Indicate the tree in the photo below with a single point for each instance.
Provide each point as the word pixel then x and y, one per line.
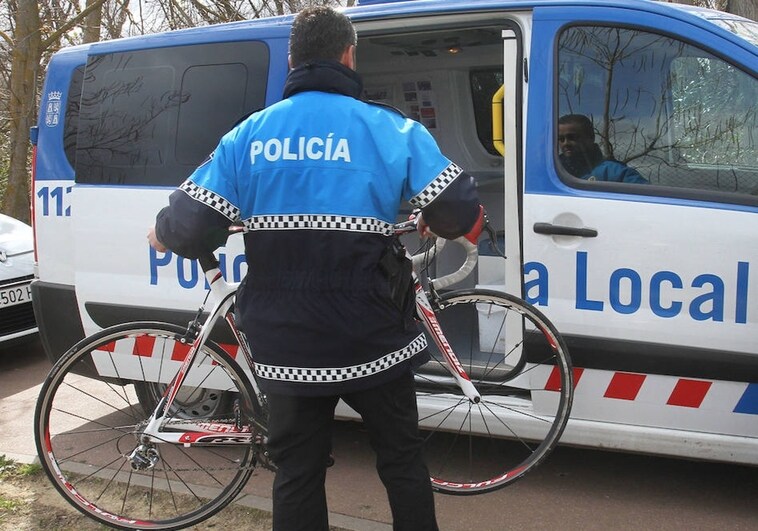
pixel 25 53
pixel 743 8
pixel 27 47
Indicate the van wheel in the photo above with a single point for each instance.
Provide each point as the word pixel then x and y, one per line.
pixel 190 403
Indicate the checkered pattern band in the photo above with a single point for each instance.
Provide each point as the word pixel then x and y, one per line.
pixel 437 186
pixel 319 222
pixel 212 199
pixel 340 374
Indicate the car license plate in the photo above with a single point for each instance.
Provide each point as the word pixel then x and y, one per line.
pixel 16 294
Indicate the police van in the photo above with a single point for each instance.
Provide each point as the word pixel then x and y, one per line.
pixel 653 283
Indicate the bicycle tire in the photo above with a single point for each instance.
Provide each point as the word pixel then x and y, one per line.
pixel 525 380
pixel 87 428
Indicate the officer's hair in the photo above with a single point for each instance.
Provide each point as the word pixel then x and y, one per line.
pixel 320 33
pixel 580 120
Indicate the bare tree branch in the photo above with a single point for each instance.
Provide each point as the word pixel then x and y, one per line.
pixel 52 38
pixel 7 38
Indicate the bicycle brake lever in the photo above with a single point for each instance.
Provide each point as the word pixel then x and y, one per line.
pixel 493 239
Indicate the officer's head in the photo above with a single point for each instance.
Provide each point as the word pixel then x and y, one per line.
pixel 322 34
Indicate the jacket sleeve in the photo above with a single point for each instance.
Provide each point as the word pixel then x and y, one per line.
pixel 445 193
pixel 453 212
pixel 197 218
pixel 190 228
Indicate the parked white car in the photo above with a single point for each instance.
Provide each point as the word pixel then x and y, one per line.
pixel 16 274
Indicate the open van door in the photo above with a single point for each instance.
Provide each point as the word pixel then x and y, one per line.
pixel 505 111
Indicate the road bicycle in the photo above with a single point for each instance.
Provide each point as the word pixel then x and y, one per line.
pixel 151 425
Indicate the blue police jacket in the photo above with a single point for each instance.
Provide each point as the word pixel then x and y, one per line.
pixel 317 180
pixel 613 171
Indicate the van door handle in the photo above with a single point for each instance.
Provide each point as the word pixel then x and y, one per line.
pixel 562 230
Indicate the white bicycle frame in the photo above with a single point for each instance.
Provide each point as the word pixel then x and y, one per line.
pixel 223 292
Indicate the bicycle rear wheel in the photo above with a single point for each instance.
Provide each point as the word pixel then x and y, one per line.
pixel 94 406
pixel 521 367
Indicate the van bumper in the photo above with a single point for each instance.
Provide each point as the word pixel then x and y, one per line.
pixel 57 314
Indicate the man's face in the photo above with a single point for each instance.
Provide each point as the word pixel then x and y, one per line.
pixel 572 141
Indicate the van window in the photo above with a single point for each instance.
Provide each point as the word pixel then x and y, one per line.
pixel 151 116
pixel 671 113
pixel 71 117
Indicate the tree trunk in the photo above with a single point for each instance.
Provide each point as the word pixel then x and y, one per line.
pixel 25 59
pixel 92 24
pixel 743 8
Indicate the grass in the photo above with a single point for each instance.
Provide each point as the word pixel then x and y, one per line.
pixel 28 501
pixel 11 469
pixel 6 465
pixel 8 469
pixel 7 505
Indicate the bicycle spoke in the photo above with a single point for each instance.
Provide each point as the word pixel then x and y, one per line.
pixel 96 398
pixel 88 450
pixel 186 485
pixel 105 427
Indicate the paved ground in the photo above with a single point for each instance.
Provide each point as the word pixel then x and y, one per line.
pixel 574 489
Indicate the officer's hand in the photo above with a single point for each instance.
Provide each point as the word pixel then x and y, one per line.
pixel 421 226
pixel 154 241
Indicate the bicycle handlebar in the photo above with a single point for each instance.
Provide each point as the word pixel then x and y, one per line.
pixel 472 256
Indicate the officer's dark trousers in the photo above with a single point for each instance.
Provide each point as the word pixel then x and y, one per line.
pixel 300 431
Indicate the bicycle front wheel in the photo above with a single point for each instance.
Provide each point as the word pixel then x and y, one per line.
pixel 520 365
pixel 92 412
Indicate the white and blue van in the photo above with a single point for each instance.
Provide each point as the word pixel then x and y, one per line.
pixel 654 284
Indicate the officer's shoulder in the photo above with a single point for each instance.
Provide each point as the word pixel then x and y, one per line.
pixel 387 107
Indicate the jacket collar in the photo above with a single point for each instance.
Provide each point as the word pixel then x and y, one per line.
pixel 324 76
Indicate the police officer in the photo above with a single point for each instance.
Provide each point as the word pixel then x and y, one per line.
pixel 317 179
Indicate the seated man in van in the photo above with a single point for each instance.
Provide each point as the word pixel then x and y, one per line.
pixel 582 158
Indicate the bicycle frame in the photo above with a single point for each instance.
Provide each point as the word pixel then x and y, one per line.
pixel 223 294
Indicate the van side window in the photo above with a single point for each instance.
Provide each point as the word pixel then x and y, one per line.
pixel 71 118
pixel 672 113
pixel 151 116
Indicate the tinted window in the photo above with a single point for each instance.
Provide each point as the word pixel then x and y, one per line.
pixel 71 120
pixel 151 116
pixel 678 115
